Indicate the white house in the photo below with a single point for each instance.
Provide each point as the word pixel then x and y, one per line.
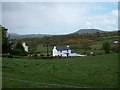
pixel 64 51
pixel 116 42
pixel 25 47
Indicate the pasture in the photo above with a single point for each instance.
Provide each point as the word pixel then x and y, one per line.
pixel 75 47
pixel 80 72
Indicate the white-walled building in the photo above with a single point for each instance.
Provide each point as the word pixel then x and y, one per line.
pixel 116 42
pixel 25 47
pixel 63 51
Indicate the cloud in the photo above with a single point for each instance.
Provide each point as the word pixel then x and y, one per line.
pixel 106 22
pixel 115 12
pixel 60 0
pixel 0 13
pixel 56 18
pixel 42 15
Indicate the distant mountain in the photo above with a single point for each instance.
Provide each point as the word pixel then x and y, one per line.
pixel 81 31
pixel 18 36
pixel 89 31
pixel 14 36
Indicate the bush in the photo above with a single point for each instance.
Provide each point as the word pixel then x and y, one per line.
pixel 10 56
pixel 106 47
pixel 42 55
pixel 7 55
pixel 25 54
pixel 19 52
pixel 35 56
pixel 116 48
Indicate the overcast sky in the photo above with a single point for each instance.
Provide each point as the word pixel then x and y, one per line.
pixel 58 17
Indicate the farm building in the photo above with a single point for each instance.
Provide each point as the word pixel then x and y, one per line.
pixel 64 51
pixel 25 47
pixel 116 42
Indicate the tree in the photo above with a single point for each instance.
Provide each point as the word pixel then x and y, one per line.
pixel 106 47
pixel 6 41
pixel 19 46
pixel 46 42
pixel 19 49
pixel 0 39
pixel 98 34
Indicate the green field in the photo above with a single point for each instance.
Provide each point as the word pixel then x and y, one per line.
pixel 43 50
pixel 88 72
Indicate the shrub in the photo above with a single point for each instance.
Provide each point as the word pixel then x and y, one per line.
pixel 7 55
pixel 106 47
pixel 35 56
pixel 19 52
pixel 10 56
pixel 42 55
pixel 115 48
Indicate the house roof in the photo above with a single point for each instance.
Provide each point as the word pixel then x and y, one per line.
pixel 73 51
pixel 60 48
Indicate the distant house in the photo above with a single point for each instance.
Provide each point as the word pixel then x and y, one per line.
pixel 64 51
pixel 116 42
pixel 25 47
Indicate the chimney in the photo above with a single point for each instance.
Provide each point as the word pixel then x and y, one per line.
pixel 68 46
pixel 54 47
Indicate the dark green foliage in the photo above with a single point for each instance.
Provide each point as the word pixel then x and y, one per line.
pixel 7 55
pixel 19 46
pixel 10 56
pixel 5 46
pixel 116 48
pixel 106 47
pixel 6 41
pixel 19 50
pixel 35 56
pixel 42 55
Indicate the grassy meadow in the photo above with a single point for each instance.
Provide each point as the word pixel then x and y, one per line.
pixel 40 49
pixel 99 71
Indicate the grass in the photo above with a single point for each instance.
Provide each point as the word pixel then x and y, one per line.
pixel 42 49
pixel 92 72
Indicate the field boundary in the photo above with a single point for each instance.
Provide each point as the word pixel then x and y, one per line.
pixel 27 81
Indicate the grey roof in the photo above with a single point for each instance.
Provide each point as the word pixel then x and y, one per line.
pixel 60 48
pixel 73 51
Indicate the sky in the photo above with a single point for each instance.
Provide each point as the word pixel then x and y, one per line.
pixel 58 17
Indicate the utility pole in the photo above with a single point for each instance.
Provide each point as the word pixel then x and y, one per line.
pixel 47 49
pixel 47 42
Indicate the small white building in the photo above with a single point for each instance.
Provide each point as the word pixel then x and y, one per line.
pixel 25 47
pixel 116 42
pixel 63 51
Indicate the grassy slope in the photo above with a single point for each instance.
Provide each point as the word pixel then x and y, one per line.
pixel 43 50
pixel 92 71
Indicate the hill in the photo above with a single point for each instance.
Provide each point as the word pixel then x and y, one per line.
pixel 81 31
pixel 14 36
pixel 18 36
pixel 89 31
